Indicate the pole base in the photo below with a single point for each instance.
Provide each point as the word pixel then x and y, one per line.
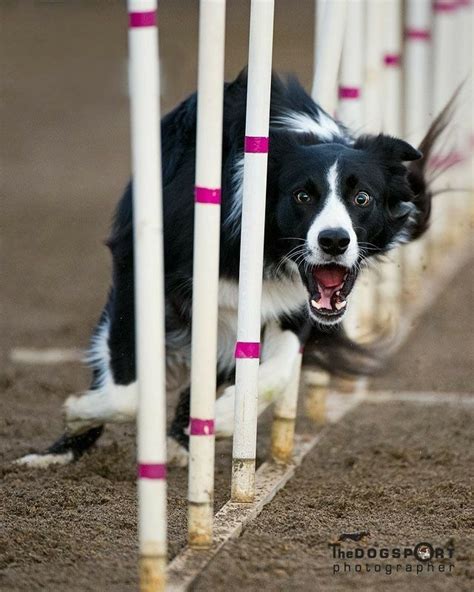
pixel 283 432
pixel 200 518
pixel 315 402
pixel 243 480
pixel 152 574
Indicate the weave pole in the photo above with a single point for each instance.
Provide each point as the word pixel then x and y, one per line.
pixel 444 83
pixel 149 292
pixel 349 108
pixel 351 112
pixel 389 292
pixel 284 417
pixel 331 19
pixel 417 62
pixel 466 27
pixel 372 98
pixel 330 22
pixel 247 349
pixel 206 270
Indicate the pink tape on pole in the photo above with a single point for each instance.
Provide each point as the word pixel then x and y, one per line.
pixel 247 349
pixel 151 471
pixel 201 427
pixel 445 6
pixel 256 144
pixel 142 19
pixel 207 195
pixel 349 92
pixel 391 59
pixel 418 34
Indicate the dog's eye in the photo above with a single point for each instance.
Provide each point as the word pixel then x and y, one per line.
pixel 362 199
pixel 302 197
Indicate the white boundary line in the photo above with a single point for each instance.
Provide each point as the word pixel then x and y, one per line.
pixel 45 356
pixel 421 398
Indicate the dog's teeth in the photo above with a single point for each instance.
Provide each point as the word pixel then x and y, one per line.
pixel 316 304
pixel 338 292
pixel 341 304
pixel 345 277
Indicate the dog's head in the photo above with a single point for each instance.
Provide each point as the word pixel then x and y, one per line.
pixel 336 204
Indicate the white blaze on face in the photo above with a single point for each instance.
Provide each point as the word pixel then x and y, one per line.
pixel 333 215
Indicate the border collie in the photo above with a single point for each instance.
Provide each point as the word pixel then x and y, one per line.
pixel 333 201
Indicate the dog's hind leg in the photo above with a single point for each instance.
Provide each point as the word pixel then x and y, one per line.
pixel 85 417
pixel 67 448
pixel 86 414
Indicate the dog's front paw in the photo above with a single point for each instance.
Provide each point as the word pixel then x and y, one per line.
pixel 224 427
pixel 178 456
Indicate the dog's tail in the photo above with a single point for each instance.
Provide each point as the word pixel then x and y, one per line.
pixel 422 172
pixel 334 351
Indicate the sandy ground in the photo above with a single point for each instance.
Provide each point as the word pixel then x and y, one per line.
pixel 398 471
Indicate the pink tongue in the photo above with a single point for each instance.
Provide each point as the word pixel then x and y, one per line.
pixel 326 294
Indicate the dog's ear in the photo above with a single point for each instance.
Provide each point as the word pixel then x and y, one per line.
pixel 388 148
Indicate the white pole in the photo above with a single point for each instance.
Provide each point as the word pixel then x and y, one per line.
pixel 247 350
pixel 328 53
pixel 465 53
pixel 372 98
pixel 149 292
pixel 444 36
pixel 392 67
pixel 417 68
pixel 444 71
pixel 206 270
pixel 350 111
pixel 416 115
pixel 389 292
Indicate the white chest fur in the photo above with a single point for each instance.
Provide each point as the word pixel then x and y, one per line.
pixel 278 297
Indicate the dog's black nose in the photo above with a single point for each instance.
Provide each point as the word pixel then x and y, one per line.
pixel 334 241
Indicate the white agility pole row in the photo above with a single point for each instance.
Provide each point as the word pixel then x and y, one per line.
pixel 417 68
pixel 149 292
pixel 331 19
pixel 247 350
pixel 210 98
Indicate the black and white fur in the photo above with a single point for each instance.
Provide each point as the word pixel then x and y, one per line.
pixel 311 156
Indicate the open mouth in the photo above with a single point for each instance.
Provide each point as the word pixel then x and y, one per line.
pixel 328 287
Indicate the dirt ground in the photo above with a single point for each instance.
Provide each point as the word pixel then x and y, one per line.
pixel 399 471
